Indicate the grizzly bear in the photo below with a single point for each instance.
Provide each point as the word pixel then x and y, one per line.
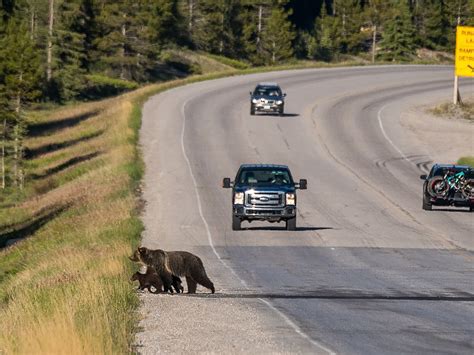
pixel 151 278
pixel 179 263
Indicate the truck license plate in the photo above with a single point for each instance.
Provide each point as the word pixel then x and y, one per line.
pixel 266 107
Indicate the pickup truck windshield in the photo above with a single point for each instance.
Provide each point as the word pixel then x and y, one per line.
pixel 264 176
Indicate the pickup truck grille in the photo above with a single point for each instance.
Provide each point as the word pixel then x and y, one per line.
pixel 264 199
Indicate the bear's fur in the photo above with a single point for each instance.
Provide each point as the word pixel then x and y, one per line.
pixel 151 278
pixel 179 263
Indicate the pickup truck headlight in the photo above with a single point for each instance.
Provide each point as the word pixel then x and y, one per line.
pixel 279 102
pixel 290 199
pixel 239 198
pixel 254 101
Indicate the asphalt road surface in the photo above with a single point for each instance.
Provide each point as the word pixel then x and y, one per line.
pixel 367 271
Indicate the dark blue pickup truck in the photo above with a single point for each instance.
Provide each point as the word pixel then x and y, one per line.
pixel 264 192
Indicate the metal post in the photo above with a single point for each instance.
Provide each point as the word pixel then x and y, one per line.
pixel 456 90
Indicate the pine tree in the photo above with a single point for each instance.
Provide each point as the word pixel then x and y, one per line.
pixel 217 26
pixel 398 38
pixel 69 51
pixel 326 40
pixel 254 16
pixel 375 14
pixel 124 46
pixel 19 80
pixel 277 37
pixel 431 24
pixel 348 30
pixel 458 12
pixel 166 23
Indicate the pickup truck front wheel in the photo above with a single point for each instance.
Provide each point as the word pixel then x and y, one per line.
pixel 236 223
pixel 291 224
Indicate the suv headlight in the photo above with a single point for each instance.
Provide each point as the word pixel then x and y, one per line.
pixel 290 199
pixel 239 198
pixel 254 101
pixel 279 102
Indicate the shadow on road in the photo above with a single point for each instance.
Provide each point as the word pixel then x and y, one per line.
pixel 270 114
pixel 298 229
pixel 453 210
pixel 354 295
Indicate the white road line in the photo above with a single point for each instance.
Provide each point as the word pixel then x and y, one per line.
pixel 295 327
pixel 379 117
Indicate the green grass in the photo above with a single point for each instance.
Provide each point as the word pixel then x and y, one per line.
pixel 466 161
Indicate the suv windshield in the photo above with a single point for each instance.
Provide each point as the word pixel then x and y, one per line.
pixel 264 176
pixel 267 91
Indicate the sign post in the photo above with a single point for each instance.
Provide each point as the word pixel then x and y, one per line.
pixel 464 65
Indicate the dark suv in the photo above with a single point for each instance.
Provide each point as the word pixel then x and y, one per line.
pixel 448 185
pixel 264 192
pixel 267 97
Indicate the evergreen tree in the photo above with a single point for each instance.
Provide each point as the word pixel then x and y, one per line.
pixel 19 80
pixel 254 16
pixel 398 38
pixel 69 51
pixel 327 37
pixel 277 37
pixel 457 12
pixel 124 47
pixel 349 23
pixel 7 8
pixel 375 14
pixel 166 23
pixel 431 24
pixel 217 26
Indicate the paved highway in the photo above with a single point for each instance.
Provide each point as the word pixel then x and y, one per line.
pixel 367 272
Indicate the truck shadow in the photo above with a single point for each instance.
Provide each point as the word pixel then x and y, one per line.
pixel 452 210
pixel 282 228
pixel 271 114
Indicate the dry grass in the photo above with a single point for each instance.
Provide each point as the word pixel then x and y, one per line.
pixel 462 111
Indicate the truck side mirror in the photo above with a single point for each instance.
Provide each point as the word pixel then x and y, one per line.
pixel 303 185
pixel 250 92
pixel 284 95
pixel 226 183
pixel 423 177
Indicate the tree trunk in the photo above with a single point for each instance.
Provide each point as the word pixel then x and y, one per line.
pixel 191 15
pixel 49 59
pixel 273 52
pixel 221 42
pixel 122 54
pixel 33 24
pixel 374 39
pixel 4 139
pixel 259 26
pixel 18 154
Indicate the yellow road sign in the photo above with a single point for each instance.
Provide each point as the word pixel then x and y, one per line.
pixel 465 51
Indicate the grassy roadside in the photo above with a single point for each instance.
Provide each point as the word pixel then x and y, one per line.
pixel 66 285
pixel 466 161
